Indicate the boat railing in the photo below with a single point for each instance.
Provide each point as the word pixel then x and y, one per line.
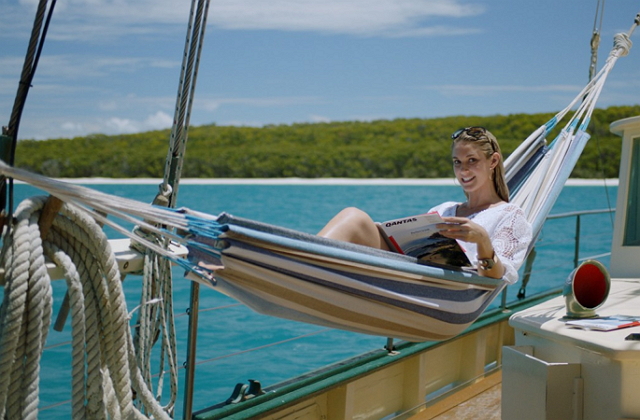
pixel 578 215
pixel 577 258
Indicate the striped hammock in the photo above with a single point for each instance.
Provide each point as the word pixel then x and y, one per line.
pixel 303 277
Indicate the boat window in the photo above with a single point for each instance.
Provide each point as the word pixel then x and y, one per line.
pixel 632 228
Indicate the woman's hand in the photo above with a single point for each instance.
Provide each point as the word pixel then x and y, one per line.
pixel 464 229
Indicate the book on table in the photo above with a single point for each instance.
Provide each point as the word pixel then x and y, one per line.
pixel 605 323
pixel 418 236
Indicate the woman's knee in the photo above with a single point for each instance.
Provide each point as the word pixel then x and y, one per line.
pixel 355 215
pixel 353 225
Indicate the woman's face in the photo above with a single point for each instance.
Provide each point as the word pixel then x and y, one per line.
pixel 471 167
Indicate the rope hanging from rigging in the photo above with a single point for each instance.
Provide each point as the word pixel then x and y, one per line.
pixel 156 321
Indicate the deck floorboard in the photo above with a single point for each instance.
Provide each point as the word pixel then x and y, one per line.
pixel 484 406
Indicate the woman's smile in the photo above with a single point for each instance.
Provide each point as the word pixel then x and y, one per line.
pixel 467 182
pixel 471 167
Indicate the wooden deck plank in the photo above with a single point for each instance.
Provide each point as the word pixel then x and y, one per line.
pixel 481 400
pixel 485 406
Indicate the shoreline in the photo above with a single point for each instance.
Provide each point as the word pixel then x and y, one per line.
pixel 611 182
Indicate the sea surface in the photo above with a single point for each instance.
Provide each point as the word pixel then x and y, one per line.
pixel 235 344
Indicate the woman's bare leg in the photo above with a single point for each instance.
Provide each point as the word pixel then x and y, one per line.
pixel 355 226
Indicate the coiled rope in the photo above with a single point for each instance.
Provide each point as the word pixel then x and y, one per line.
pixel 104 372
pixel 25 317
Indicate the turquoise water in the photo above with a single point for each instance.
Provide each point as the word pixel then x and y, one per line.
pixel 235 344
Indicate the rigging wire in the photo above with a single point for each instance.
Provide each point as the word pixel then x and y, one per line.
pixel 157 272
pixel 34 50
pixel 595 44
pixel 184 100
pixel 167 195
pixel 595 37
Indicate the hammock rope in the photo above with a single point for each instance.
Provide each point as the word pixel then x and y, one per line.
pixel 539 191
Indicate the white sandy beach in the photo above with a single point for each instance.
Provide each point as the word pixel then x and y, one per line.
pixel 309 181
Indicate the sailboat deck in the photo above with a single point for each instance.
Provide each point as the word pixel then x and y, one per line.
pixel 481 400
pixel 485 405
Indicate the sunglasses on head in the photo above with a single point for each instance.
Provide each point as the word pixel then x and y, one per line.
pixel 472 131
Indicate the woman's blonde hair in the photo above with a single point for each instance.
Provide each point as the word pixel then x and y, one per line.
pixel 488 144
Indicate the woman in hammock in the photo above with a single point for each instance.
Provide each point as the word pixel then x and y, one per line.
pixel 494 232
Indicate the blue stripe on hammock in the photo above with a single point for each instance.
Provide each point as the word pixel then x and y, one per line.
pixel 460 296
pixel 396 286
pixel 349 252
pixel 519 178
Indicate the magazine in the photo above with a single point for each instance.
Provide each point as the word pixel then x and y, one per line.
pixel 605 323
pixel 417 236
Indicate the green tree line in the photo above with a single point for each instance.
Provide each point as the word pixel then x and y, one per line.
pixel 400 148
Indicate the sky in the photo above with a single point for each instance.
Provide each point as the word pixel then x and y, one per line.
pixel 113 66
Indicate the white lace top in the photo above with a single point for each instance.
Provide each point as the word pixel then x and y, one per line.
pixel 508 229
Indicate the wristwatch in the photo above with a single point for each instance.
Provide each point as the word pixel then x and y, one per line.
pixel 488 263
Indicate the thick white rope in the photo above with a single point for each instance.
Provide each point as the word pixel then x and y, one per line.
pixel 78 326
pixel 121 381
pixel 24 320
pixel 100 323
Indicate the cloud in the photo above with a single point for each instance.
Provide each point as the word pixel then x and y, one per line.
pixel 212 104
pixel 72 127
pixel 96 19
pixel 158 121
pixel 485 90
pixel 121 125
pixel 73 67
pixel 355 17
pixel 241 123
pixel 67 128
pixel 319 119
pixel 110 105
pixel 439 30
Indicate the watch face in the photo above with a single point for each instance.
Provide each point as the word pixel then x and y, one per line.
pixel 487 263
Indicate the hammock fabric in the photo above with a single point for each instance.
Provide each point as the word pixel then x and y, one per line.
pixel 288 274
pixel 298 276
